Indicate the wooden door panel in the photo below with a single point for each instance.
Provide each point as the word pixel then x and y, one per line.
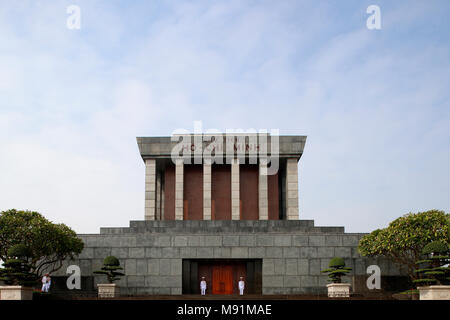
pixel 222 282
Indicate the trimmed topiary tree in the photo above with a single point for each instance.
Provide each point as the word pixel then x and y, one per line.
pixel 110 268
pixel 336 270
pixel 17 269
pixel 432 270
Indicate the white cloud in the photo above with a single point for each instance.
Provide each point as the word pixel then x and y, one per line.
pixel 374 107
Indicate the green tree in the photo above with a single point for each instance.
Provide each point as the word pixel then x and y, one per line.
pixel 433 268
pixel 17 269
pixel 110 268
pixel 49 243
pixel 337 270
pixel 404 239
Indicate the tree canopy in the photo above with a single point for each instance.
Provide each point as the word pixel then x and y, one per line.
pixel 405 237
pixel 336 270
pixel 111 267
pixel 49 244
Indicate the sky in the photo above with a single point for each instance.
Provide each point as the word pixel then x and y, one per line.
pixel 375 104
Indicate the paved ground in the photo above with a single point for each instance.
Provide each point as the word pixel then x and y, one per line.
pixel 247 297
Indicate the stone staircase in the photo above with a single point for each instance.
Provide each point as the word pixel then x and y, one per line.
pixel 221 226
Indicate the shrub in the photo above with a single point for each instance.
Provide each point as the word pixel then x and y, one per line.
pixel 111 261
pixel 336 270
pixel 432 269
pixel 17 269
pixel 337 262
pixel 110 268
pixel 435 247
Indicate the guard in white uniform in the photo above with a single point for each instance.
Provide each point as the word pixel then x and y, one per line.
pixel 46 282
pixel 203 286
pixel 241 285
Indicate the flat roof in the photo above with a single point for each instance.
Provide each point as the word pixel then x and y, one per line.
pixel 161 147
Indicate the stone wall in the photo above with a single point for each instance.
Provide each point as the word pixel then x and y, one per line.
pixel 293 253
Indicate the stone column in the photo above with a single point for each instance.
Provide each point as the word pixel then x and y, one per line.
pixel 206 190
pixel 150 189
pixel 158 196
pixel 235 196
pixel 292 189
pixel 263 201
pixel 179 176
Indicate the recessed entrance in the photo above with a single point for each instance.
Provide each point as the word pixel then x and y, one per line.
pixel 222 275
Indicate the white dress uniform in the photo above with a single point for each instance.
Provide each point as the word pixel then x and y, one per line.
pixel 203 287
pixel 45 285
pixel 241 287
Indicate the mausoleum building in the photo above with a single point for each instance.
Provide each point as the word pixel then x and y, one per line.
pixel 223 207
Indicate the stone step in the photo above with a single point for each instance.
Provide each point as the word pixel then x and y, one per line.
pixel 207 227
pixel 219 223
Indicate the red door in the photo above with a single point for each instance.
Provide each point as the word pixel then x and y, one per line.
pixel 222 279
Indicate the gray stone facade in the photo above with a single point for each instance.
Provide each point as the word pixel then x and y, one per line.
pixel 271 153
pixel 293 253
